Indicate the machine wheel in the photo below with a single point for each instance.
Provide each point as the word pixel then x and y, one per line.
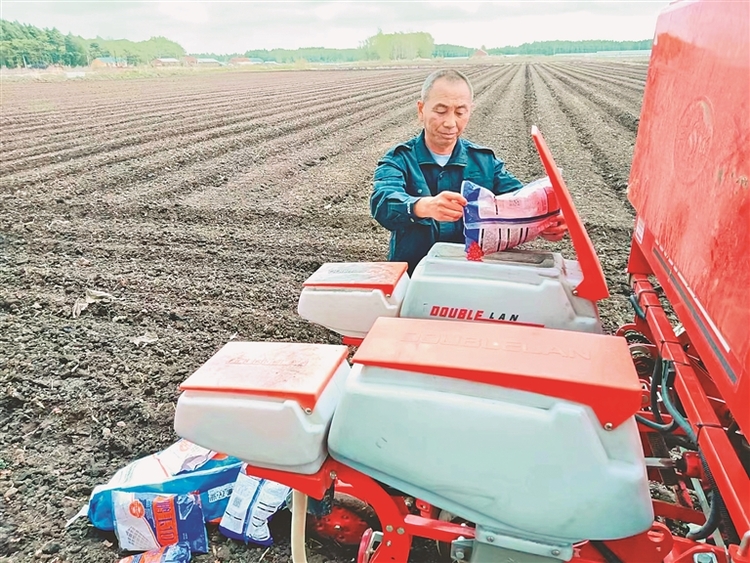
pixel 349 520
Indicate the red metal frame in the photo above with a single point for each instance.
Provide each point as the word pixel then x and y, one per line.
pixel 689 187
pixel 728 472
pixel 594 285
pixel 399 526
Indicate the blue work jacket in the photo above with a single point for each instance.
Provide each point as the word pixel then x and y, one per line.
pixel 408 171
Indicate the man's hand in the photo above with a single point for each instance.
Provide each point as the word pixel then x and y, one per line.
pixel 556 231
pixel 446 206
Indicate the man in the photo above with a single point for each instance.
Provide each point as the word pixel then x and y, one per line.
pixel 417 184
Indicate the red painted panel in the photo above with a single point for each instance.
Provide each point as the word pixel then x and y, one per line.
pixel 594 285
pixel 283 370
pixel 690 182
pixel 591 369
pixel 359 275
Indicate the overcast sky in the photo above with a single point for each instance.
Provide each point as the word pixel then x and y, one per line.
pixel 225 27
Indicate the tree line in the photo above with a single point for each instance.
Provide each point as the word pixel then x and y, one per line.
pixel 23 45
pixel 408 46
pixel 571 47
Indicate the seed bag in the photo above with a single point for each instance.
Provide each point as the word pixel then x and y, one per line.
pixel 177 553
pixel 146 521
pixel 493 223
pixel 181 468
pixel 252 503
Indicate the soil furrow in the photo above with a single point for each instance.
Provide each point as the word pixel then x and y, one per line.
pixel 630 83
pixel 124 102
pixel 625 117
pixel 193 143
pixel 607 142
pixel 206 233
pixel 163 115
pixel 203 127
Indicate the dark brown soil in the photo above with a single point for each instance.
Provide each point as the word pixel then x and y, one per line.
pixel 201 203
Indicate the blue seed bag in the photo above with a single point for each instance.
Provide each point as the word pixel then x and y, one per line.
pixel 182 468
pixel 146 521
pixel 177 553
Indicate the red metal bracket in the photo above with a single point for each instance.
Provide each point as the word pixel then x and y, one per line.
pixel 594 284
pixel 651 546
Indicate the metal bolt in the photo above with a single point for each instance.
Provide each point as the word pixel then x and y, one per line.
pixel 332 475
pixel 308 410
pixel 704 558
pixel 491 539
pixel 609 426
pixel 459 555
pixel 389 528
pixel 400 531
pixel 555 552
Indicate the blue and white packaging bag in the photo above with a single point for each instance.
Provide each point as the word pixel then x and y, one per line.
pixel 252 503
pixel 494 223
pixel 181 468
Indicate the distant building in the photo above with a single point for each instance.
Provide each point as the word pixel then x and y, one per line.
pixel 245 61
pixel 208 62
pixel 108 62
pixel 241 61
pixel 189 61
pixel 165 61
pixel 479 53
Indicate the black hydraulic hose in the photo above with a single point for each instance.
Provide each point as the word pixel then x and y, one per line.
pixel 637 307
pixel 715 511
pixel 609 555
pixel 658 422
pixel 656 380
pixel 671 427
pixel 671 408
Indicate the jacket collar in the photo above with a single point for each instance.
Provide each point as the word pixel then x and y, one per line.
pixel 459 156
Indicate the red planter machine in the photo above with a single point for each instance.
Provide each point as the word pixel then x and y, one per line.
pixel 684 385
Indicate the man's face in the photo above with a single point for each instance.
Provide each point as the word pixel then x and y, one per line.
pixel 445 114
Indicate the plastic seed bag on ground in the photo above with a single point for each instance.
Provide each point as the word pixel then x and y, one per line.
pixel 183 467
pixel 177 553
pixel 252 503
pixel 147 521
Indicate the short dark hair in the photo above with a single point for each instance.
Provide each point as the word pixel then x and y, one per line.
pixel 448 74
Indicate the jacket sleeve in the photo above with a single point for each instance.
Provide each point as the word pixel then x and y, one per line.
pixel 504 181
pixel 390 204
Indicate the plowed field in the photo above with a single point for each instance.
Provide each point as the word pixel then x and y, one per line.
pixel 201 203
